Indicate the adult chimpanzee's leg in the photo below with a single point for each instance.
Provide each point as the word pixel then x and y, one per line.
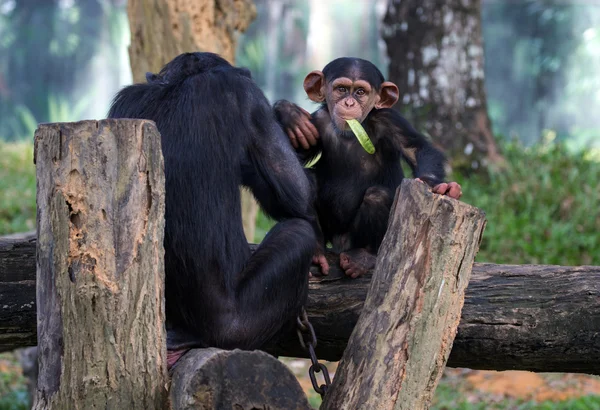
pixel 272 287
pixel 367 231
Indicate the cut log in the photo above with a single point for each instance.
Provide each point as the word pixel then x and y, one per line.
pixel 234 379
pixel 399 347
pixel 100 271
pixel 541 318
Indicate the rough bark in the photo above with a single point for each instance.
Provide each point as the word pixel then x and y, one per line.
pixel 100 270
pixel 401 342
pixel 436 59
pixel 541 318
pixel 235 379
pixel 192 25
pixel 163 29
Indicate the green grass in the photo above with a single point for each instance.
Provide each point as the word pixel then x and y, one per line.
pixel 17 188
pixel 543 209
pixel 447 397
pixel 13 393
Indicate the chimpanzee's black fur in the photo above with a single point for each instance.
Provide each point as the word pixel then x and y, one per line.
pixel 219 132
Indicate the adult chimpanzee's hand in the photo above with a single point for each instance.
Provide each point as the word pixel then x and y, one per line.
pixel 297 124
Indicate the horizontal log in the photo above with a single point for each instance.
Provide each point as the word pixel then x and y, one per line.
pixel 528 317
pixel 18 326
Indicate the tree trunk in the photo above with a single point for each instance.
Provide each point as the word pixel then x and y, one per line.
pixel 192 25
pixel 234 379
pixel 163 29
pixel 401 342
pixel 436 59
pixel 515 317
pixel 100 270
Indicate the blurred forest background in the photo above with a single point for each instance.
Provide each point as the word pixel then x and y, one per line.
pixel 63 60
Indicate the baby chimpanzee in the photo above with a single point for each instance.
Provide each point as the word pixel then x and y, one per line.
pixel 354 186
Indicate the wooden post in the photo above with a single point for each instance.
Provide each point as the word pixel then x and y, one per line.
pixel 234 379
pixel 400 345
pixel 100 271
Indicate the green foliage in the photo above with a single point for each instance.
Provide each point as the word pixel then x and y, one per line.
pixel 17 188
pixel 447 397
pixel 544 208
pixel 15 400
pixel 13 394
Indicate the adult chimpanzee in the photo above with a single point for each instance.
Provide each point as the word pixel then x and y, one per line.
pixel 219 131
pixel 355 189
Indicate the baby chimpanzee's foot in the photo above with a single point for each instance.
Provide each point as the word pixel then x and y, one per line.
pixel 319 259
pixel 357 262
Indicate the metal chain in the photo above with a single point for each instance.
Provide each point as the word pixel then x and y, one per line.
pixel 308 341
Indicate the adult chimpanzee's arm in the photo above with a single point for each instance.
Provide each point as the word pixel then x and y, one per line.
pixel 296 122
pixel 300 128
pixel 272 171
pixel 396 135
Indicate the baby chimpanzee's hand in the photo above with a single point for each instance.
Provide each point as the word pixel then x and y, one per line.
pixel 452 189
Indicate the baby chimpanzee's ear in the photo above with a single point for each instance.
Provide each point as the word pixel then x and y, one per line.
pixel 314 85
pixel 388 95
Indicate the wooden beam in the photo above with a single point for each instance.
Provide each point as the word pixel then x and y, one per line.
pixel 542 318
pixel 100 270
pixel 17 291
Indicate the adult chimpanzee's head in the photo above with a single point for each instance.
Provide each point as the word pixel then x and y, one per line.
pixel 351 88
pixel 188 64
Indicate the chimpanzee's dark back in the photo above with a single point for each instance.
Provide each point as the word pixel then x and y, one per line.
pixel 202 167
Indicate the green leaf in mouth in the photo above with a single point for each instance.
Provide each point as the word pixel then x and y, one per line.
pixel 361 135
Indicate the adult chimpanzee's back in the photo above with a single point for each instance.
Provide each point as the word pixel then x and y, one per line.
pixel 218 132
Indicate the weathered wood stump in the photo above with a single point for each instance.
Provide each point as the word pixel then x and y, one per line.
pixel 100 271
pixel 401 342
pixel 234 379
